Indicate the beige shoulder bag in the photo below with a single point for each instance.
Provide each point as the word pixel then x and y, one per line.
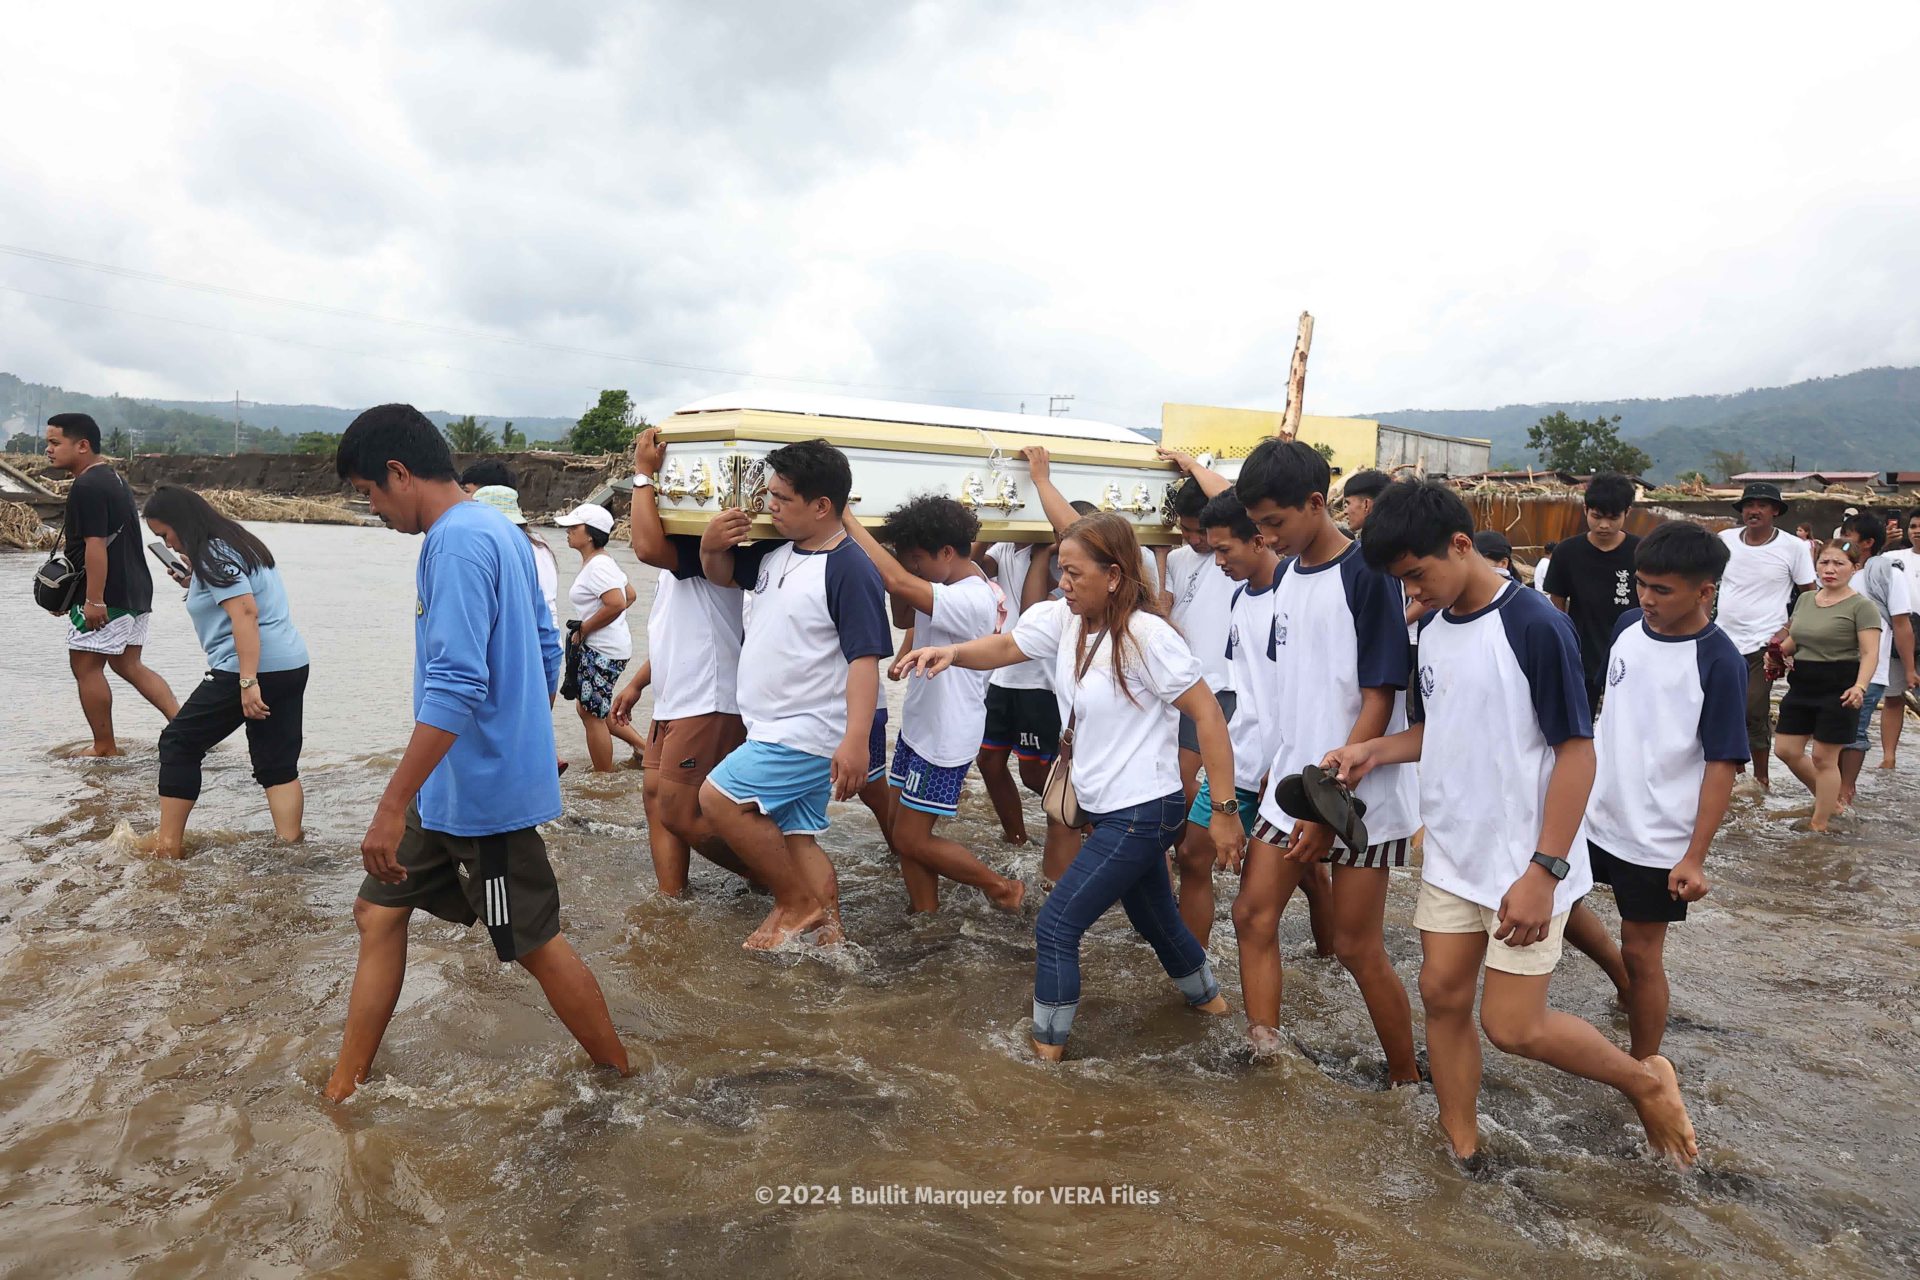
pixel 1059 799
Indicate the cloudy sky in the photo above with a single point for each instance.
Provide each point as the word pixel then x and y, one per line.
pixel 502 207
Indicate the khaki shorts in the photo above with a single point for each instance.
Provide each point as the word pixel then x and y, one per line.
pixel 504 880
pixel 1438 911
pixel 686 750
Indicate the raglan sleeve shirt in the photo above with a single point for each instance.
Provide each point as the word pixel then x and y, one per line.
pixel 857 603
pixel 1723 704
pixel 1549 655
pixel 1380 628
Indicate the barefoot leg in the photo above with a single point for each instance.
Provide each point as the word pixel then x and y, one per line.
pixel 168 837
pixel 937 856
pixel 1449 975
pixel 1359 940
pixel 1196 883
pixel 1643 944
pixel 666 847
pixel 577 1000
pixel 377 976
pixel 1005 796
pixel 1267 880
pixel 757 841
pixel 147 682
pixel 288 805
pixel 96 698
pixel 1589 937
pixel 1515 1016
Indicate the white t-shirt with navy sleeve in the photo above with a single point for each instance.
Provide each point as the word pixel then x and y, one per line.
pixel 944 716
pixel 599 575
pixel 1756 588
pixel 1673 704
pixel 1338 628
pixel 1011 561
pixel 814 612
pixel 1249 629
pixel 1500 689
pixel 694 633
pixel 1202 595
pixel 1125 749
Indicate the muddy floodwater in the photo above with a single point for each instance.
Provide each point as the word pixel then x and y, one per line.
pixel 165 1029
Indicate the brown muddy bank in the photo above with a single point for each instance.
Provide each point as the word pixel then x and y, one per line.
pixel 547 481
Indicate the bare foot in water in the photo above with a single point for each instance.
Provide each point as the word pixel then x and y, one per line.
pixel 98 752
pixel 154 846
pixel 1669 1131
pixel 1265 1041
pixel 338 1089
pixel 1049 1052
pixel 1009 895
pixel 782 926
pixel 1885 764
pixel 1020 837
pixel 1216 1006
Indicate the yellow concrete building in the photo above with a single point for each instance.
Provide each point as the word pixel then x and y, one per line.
pixel 1356 443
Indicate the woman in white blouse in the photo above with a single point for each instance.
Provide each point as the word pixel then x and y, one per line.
pixel 1123 677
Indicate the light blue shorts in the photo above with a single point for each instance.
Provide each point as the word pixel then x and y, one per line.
pixel 1201 814
pixel 789 786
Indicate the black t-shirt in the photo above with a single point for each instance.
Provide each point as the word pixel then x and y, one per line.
pixel 1598 588
pixel 99 505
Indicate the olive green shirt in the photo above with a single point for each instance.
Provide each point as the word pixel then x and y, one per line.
pixel 1831 634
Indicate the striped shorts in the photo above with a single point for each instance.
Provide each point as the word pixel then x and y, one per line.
pixel 1388 854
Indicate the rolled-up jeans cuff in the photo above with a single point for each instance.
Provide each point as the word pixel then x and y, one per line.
pixel 1199 986
pixel 1052 1022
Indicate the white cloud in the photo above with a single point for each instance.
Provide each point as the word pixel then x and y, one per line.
pixel 1481 204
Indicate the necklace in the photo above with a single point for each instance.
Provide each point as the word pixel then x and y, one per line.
pixel 794 553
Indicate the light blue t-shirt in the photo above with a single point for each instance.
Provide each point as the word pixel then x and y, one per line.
pixel 486 659
pixel 281 648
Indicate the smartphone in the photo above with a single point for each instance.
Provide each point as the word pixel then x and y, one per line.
pixel 172 563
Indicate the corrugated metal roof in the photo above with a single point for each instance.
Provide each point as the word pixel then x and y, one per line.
pixel 1746 476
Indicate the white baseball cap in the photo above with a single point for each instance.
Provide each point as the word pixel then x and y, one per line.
pixel 590 514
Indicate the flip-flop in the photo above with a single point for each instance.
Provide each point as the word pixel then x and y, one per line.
pixel 1338 807
pixel 1290 793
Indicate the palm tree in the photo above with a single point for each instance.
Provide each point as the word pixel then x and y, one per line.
pixel 468 436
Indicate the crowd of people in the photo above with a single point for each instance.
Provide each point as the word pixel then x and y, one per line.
pixel 1283 701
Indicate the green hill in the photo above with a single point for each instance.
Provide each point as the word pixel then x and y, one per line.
pixel 1864 421
pixel 206 426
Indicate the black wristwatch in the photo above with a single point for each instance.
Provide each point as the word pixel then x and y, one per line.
pixel 1556 867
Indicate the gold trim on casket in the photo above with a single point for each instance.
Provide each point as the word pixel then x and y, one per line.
pixel 716 460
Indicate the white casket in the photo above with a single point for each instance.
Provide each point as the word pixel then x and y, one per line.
pixel 716 450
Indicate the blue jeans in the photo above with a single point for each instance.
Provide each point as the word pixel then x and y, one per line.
pixel 1123 861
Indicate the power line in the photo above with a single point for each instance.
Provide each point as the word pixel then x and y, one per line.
pixel 425 326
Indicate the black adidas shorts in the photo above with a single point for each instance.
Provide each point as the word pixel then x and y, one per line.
pixel 502 879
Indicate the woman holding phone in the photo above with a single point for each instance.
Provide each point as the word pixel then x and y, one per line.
pixel 256 664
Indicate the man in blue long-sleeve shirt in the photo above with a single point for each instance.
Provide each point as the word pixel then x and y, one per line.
pixel 456 833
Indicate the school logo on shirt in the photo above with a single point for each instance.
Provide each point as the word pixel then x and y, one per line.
pixel 1280 629
pixel 1193 585
pixel 1427 682
pixel 761 585
pixel 1616 671
pixel 1233 638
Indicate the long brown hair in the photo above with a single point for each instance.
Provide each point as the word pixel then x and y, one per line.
pixel 1108 539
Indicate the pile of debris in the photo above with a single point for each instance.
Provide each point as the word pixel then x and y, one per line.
pixel 239 504
pixel 22 529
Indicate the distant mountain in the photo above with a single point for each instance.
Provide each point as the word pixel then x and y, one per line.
pixel 292 419
pixel 206 426
pixel 1866 421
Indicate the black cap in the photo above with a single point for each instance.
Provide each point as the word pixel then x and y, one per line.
pixel 1493 544
pixel 1761 491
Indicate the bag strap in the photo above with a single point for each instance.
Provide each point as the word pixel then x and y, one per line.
pixel 114 536
pixel 1085 665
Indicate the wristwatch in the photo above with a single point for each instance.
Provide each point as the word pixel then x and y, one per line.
pixel 1225 806
pixel 1556 867
pixel 248 682
pixel 642 481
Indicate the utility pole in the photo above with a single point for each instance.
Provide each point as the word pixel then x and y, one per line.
pixel 1057 406
pixel 236 424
